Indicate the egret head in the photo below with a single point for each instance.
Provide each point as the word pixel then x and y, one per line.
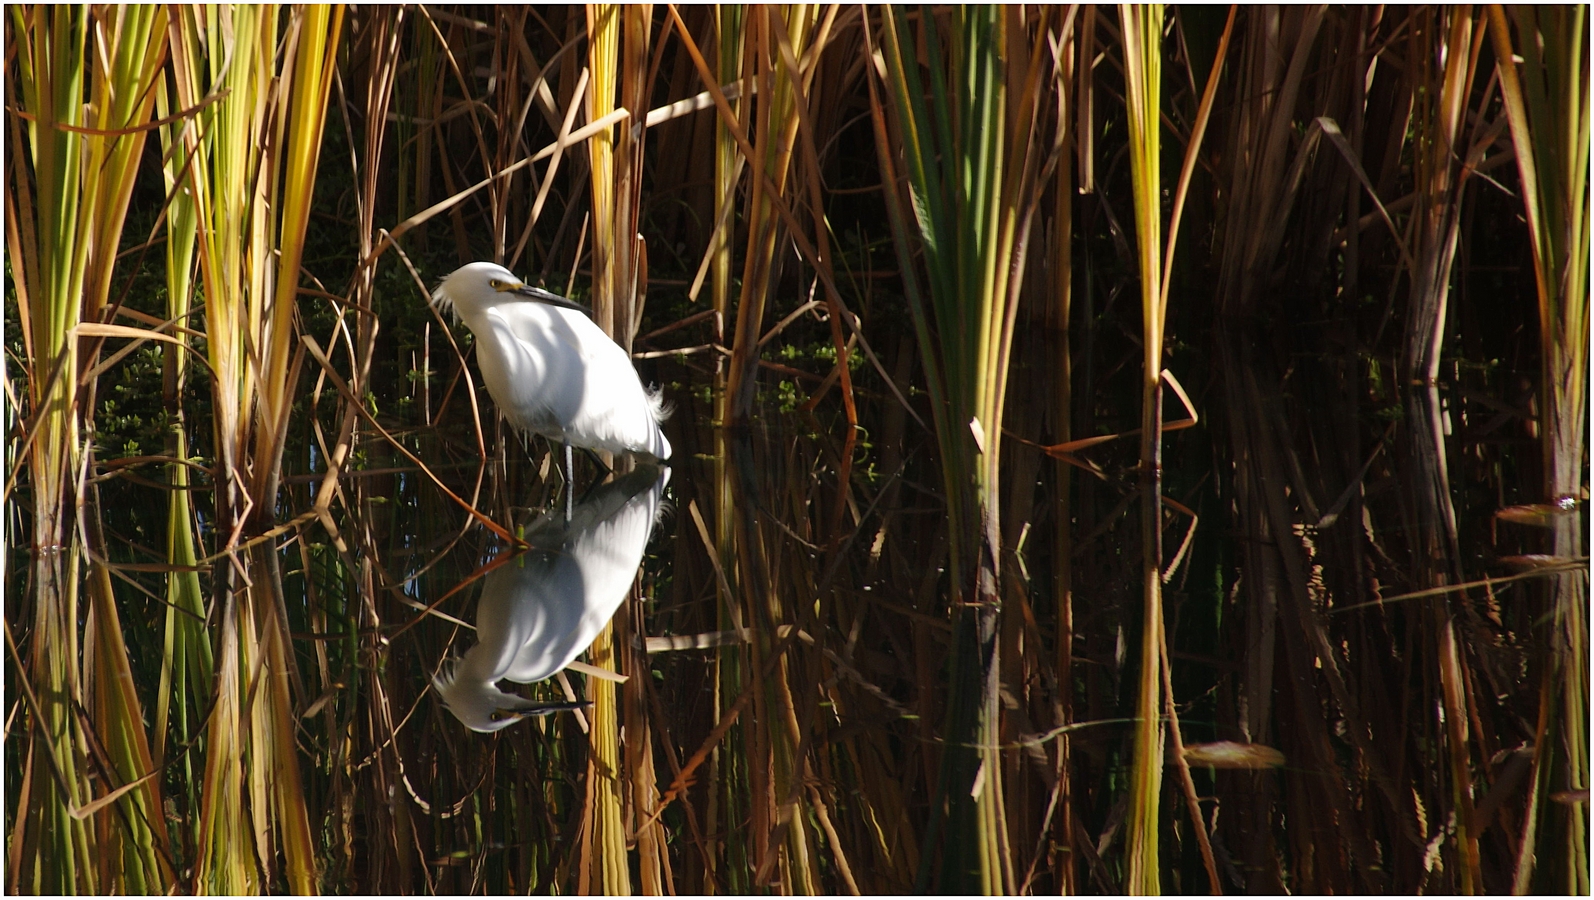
pixel 483 707
pixel 476 286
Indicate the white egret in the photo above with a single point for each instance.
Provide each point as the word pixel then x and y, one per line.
pixel 550 369
pixel 538 612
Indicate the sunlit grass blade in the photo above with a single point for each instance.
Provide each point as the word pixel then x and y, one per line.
pixel 605 864
pixel 1142 54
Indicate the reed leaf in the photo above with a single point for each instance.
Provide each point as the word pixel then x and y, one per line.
pixel 186 660
pixel 84 158
pixel 1142 50
pixel 975 159
pixel 51 44
pixel 1453 38
pixel 254 157
pixel 727 792
pixel 1547 103
pixel 605 866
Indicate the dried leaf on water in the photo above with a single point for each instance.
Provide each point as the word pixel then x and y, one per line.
pixel 1540 514
pixel 1233 755
pixel 1529 561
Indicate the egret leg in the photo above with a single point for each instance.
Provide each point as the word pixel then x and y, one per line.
pixel 570 484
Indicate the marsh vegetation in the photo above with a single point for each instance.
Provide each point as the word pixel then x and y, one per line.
pixel 1115 450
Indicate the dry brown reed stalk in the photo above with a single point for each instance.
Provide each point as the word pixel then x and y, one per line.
pixel 1073 122
pixel 1452 38
pixel 1191 154
pixel 774 45
pixel 1310 569
pixel 377 35
pixel 1269 83
pixel 729 42
pixel 783 849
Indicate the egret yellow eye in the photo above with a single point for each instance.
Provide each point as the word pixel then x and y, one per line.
pixel 495 284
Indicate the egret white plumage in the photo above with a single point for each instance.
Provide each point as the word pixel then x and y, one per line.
pixel 538 612
pixel 550 369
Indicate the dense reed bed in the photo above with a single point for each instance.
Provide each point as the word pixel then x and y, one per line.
pixel 980 577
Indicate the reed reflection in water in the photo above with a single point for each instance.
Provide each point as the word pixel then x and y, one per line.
pixel 541 609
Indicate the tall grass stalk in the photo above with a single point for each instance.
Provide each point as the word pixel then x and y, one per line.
pixel 606 867
pixel 1452 39
pixel 254 162
pixel 1059 315
pixel 64 228
pixel 52 51
pixel 725 794
pixel 1142 53
pixel 130 50
pixel 1547 102
pixel 976 160
pixel 186 659
pixel 783 850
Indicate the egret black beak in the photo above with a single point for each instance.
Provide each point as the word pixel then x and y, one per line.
pixel 540 708
pixel 538 295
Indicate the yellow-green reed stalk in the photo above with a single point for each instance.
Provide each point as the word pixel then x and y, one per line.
pixel 775 131
pixel 128 53
pixel 728 20
pixel 186 661
pixel 254 150
pixel 50 52
pixel 626 276
pixel 629 255
pixel 134 849
pixel 603 61
pixel 772 763
pixel 1547 100
pixel 84 157
pixel 976 168
pixel 605 867
pixel 725 777
pixel 627 279
pixel 774 767
pixel 1142 55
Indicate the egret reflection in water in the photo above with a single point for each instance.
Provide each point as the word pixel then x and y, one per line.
pixel 541 609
